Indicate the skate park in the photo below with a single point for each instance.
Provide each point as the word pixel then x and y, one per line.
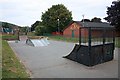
pixel 48 62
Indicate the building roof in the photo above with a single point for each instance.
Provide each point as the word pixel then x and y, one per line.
pixel 94 24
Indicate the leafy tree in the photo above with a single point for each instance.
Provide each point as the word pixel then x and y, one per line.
pixel 56 18
pixel 7 25
pixel 39 30
pixel 85 20
pixel 24 29
pixel 113 13
pixel 95 19
pixel 35 25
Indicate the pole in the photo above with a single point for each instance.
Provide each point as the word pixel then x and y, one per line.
pixel 113 36
pixel 18 35
pixel 82 34
pixel 83 20
pixel 79 36
pixel 89 45
pixel 58 25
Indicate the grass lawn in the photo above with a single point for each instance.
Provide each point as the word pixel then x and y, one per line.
pixel 61 38
pixel 11 67
pixel 9 37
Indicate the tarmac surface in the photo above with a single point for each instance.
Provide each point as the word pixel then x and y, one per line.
pixel 47 62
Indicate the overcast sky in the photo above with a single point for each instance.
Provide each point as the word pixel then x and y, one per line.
pixel 26 12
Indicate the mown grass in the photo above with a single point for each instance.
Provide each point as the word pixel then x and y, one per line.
pixel 61 38
pixel 11 66
pixel 9 37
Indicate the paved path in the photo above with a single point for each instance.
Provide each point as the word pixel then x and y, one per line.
pixel 23 38
pixel 47 62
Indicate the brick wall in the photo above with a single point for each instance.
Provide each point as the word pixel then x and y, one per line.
pixel 68 31
pixel 84 31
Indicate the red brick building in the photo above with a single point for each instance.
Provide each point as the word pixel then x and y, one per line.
pixel 72 30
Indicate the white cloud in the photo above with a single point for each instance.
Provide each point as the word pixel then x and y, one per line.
pixel 26 12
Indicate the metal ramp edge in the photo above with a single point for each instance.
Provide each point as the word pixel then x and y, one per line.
pixel 37 42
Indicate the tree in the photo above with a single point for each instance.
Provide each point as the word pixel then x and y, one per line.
pixel 113 13
pixel 39 30
pixel 35 25
pixel 56 18
pixel 24 29
pixel 85 20
pixel 95 19
pixel 5 25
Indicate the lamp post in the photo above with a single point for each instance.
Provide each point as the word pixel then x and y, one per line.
pixel 18 34
pixel 58 25
pixel 83 19
pixel 17 30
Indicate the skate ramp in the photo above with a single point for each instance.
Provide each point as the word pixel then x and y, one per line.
pixel 72 55
pixel 37 42
pixel 99 54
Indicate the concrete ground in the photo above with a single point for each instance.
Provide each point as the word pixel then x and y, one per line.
pixel 47 62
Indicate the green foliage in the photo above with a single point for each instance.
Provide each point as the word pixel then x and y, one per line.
pixel 25 29
pixel 11 67
pixel 39 30
pixel 31 34
pixel 86 20
pixel 57 15
pixel 113 13
pixel 33 26
pixel 95 19
pixel 7 25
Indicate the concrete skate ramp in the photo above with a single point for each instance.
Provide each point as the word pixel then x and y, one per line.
pixel 37 42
